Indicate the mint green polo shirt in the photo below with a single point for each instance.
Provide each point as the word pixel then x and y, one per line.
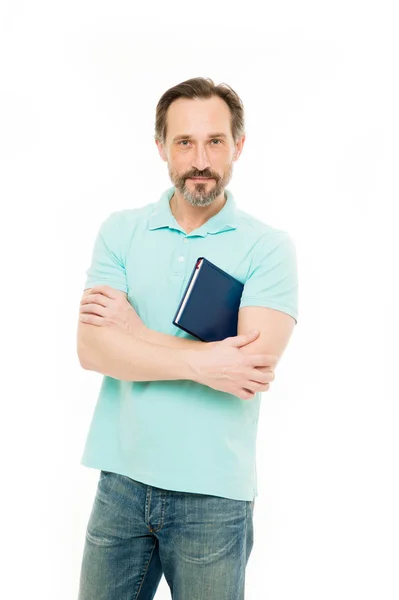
pixel 181 435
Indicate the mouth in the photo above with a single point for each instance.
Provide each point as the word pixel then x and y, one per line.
pixel 200 178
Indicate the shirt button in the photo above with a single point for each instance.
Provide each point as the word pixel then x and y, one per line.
pixel 185 240
pixel 181 258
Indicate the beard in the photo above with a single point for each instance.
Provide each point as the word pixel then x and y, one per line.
pixel 202 194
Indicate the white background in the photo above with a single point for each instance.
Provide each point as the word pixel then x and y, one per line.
pixel 80 81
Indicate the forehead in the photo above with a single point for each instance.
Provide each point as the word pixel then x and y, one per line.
pixel 197 116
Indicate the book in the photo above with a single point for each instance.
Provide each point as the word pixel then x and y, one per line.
pixel 209 307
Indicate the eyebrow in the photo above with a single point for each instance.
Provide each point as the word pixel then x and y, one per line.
pixel 187 137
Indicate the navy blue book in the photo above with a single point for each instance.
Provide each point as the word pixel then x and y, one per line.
pixel 209 307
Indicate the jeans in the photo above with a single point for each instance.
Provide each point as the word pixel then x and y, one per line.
pixel 137 532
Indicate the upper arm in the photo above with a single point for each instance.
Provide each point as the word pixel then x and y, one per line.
pixel 107 267
pixel 108 255
pixel 89 334
pixel 269 301
pixel 275 329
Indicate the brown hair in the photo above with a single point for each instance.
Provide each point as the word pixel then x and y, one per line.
pixel 199 87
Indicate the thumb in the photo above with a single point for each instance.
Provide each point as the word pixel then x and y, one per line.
pixel 244 338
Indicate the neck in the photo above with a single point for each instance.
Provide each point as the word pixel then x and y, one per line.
pixel 192 217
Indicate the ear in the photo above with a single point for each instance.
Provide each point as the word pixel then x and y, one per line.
pixel 239 148
pixel 161 150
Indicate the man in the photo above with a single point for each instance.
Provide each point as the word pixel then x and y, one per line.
pixel 174 429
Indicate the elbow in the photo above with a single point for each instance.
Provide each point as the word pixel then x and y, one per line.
pixel 83 359
pixel 84 364
pixel 83 352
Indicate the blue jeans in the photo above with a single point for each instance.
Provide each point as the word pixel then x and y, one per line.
pixel 137 532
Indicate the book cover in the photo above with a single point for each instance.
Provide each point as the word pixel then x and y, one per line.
pixel 209 307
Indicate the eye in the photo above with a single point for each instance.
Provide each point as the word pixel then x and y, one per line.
pixel 186 141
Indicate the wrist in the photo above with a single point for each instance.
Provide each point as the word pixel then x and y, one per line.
pixel 191 364
pixel 139 330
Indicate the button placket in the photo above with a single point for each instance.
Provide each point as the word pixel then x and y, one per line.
pixel 180 258
pixel 183 256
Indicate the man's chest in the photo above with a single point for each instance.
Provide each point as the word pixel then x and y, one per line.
pixel 159 266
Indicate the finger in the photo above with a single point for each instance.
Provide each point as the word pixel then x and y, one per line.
pixel 265 369
pixel 262 360
pixel 97 298
pixel 104 289
pixel 260 377
pixel 94 309
pixel 247 394
pixel 268 371
pixel 255 387
pixel 91 319
pixel 243 338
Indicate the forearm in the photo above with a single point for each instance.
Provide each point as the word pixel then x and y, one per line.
pixel 113 352
pixel 168 341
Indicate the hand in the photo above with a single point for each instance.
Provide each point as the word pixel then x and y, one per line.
pixel 225 368
pixel 105 306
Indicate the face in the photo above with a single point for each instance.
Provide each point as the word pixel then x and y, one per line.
pixel 193 150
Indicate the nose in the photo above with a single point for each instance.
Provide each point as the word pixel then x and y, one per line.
pixel 201 160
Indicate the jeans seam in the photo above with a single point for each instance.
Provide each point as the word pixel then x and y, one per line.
pixel 146 569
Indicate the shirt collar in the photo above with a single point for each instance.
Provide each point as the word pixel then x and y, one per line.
pixel 225 219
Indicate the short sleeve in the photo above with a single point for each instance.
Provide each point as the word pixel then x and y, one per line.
pixel 273 279
pixel 107 264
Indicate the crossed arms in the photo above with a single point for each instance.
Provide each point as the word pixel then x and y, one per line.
pixel 241 365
